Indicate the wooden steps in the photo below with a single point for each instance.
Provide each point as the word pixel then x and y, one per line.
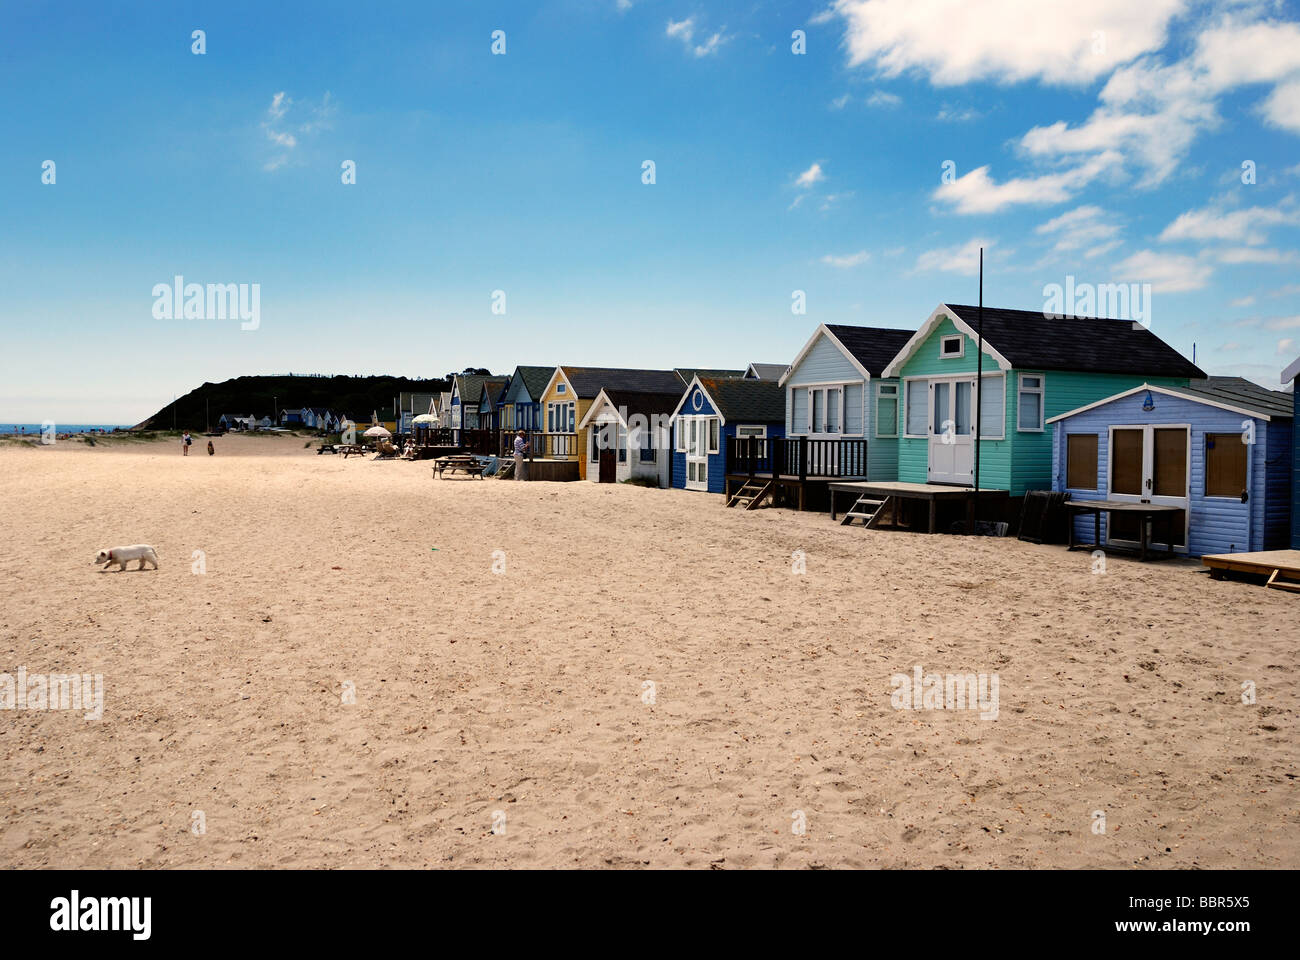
pixel 751 493
pixel 867 509
pixel 1277 583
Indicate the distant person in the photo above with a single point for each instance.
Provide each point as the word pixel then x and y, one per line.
pixel 211 448
pixel 521 445
pixel 186 440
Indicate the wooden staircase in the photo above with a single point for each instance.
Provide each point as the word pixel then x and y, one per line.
pixel 751 493
pixel 1277 582
pixel 867 509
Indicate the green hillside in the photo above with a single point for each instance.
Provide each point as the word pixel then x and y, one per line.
pixel 355 396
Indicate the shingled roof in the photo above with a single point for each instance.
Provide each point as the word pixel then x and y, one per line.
pixel 767 371
pixel 589 381
pixel 1029 340
pixel 746 401
pixel 873 347
pixel 535 379
pixel 690 373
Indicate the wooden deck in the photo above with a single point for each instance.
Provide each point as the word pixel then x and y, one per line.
pixel 794 487
pixel 549 469
pixel 1282 567
pixel 931 493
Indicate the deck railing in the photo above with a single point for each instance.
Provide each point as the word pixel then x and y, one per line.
pixel 800 457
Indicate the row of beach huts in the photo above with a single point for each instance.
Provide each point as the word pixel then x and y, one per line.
pixel 1093 410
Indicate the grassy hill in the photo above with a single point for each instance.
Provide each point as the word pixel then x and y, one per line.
pixel 354 396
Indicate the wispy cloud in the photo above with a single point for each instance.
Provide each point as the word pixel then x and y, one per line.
pixel 847 260
pixel 1166 272
pixel 963 259
pixel 810 176
pixel 284 134
pixel 977 192
pixel 684 30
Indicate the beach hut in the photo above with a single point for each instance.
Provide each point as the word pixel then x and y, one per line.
pixel 711 412
pixel 1291 376
pixel 490 398
pixel 836 389
pixel 521 404
pixel 1218 449
pixel 627 436
pixel 571 391
pixel 1035 367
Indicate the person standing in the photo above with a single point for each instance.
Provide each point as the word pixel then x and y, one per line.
pixel 186 440
pixel 521 445
pixel 211 448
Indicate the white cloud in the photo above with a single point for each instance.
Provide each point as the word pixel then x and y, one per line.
pixel 847 260
pixel 1166 272
pixel 1003 40
pixel 963 259
pixel 1236 255
pixel 810 176
pixel 1080 228
pixel 951 114
pixel 1247 301
pixel 1247 225
pixel 684 30
pixel 1285 345
pixel 286 135
pixel 840 102
pixel 976 192
pixel 882 98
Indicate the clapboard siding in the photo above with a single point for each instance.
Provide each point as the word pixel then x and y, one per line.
pixel 1021 460
pixel 1216 524
pixel 1295 467
pixel 1277 493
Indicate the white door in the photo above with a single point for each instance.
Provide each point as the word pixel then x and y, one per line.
pixel 697 453
pixel 1149 464
pixel 952 430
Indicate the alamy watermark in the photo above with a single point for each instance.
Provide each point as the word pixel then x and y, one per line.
pixel 53 691
pixel 952 691
pixel 1115 301
pixel 179 300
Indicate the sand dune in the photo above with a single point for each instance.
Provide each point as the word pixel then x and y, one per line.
pixel 524 691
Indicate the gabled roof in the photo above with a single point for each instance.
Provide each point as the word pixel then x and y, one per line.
pixel 766 371
pixel 738 400
pixel 470 386
pixel 868 348
pixel 535 379
pixel 690 373
pixel 632 402
pixel 589 381
pixel 1291 372
pixel 1227 393
pixel 494 387
pixel 1029 340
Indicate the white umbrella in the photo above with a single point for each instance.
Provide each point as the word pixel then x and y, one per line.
pixel 425 418
pixel 377 432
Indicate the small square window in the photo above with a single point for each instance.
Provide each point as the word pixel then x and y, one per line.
pixel 560 387
pixel 954 346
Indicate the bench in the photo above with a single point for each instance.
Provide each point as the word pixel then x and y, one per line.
pixel 469 466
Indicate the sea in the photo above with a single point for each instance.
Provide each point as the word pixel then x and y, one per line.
pixel 34 429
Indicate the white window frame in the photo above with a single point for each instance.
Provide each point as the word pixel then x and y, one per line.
pixel 679 438
pixel 1042 407
pixel 713 444
pixel 960 338
pixel 752 426
pixel 880 388
pixel 907 403
pixel 825 388
pixel 561 387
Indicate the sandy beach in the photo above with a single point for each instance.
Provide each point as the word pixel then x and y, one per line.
pixel 510 688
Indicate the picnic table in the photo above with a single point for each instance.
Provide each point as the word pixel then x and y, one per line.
pixel 469 465
pixel 326 448
pixel 351 450
pixel 1146 514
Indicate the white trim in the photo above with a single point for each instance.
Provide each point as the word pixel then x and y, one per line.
pixel 1148 473
pixel 694 385
pixel 941 313
pixel 598 405
pixel 961 340
pixel 1041 390
pixel 752 426
pixel 822 329
pixel 559 372
pixel 826 386
pixel 1169 392
pixel 1291 372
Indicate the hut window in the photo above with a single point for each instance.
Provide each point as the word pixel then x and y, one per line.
pixel 680 440
pixel 622 443
pixel 1225 465
pixel 1031 403
pixel 918 407
pixel 993 408
pixel 886 409
pixel 713 434
pixel 1081 461
pixel 954 346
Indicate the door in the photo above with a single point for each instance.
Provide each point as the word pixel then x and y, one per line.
pixel 952 430
pixel 697 454
pixel 1149 464
pixel 608 466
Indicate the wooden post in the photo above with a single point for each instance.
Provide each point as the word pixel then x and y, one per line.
pixel 803 466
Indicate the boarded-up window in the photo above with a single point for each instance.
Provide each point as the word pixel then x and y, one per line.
pixel 1225 465
pixel 1081 461
pixel 1170 464
pixel 1126 462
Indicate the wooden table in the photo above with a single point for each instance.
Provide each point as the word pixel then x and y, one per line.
pixel 1146 512
pixel 467 465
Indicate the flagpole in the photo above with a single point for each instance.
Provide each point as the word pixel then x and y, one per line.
pixel 979 400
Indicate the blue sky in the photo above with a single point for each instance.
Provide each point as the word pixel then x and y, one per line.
pixel 1103 141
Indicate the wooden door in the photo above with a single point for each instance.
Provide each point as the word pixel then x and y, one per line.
pixel 608 466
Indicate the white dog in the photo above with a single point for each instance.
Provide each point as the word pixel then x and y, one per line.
pixel 124 555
